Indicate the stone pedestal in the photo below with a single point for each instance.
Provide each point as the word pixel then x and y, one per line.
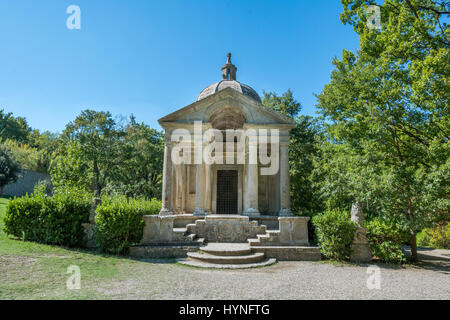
pixel 360 248
pixel 158 229
pixel 294 231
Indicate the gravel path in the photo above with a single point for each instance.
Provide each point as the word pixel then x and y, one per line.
pixel 285 280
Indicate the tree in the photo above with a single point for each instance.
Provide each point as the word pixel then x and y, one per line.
pixel 285 104
pixel 9 168
pixel 140 162
pixel 70 169
pixel 95 135
pixel 13 128
pixel 388 106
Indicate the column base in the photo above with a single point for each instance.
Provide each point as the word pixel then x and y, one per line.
pixel 199 212
pixel 285 213
pixel 166 212
pixel 252 212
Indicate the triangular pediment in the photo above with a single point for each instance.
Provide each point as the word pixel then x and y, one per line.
pixel 255 113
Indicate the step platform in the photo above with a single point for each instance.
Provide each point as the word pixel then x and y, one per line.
pixel 226 256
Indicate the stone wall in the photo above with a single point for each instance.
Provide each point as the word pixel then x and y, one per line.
pixel 25 184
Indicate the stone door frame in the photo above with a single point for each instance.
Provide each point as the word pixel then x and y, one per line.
pixel 239 169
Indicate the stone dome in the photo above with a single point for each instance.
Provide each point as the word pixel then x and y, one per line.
pixel 229 81
pixel 236 85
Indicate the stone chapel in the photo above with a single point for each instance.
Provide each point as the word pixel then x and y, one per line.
pixel 226 189
pixel 238 188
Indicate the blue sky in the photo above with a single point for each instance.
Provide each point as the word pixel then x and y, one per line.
pixel 150 58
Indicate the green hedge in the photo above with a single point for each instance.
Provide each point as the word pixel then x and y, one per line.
pixel 437 237
pixel 119 224
pixel 386 240
pixel 335 232
pixel 51 220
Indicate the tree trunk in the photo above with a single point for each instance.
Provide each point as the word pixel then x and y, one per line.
pixel 413 244
pixel 96 177
pixel 1 190
pixel 412 233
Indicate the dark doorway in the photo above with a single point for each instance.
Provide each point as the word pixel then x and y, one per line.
pixel 227 192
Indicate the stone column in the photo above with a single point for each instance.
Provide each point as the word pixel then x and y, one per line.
pixel 199 197
pixel 285 187
pixel 185 187
pixel 208 189
pixel 179 189
pixel 166 208
pixel 251 190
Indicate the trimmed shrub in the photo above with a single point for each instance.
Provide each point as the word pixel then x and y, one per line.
pixel 335 232
pixel 437 237
pixel 53 220
pixel 119 224
pixel 386 239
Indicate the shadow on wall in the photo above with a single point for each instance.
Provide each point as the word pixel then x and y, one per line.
pixel 25 184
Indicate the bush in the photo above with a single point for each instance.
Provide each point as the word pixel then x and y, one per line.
pixel 386 239
pixel 51 220
pixel 335 232
pixel 9 168
pixel 438 237
pixel 119 223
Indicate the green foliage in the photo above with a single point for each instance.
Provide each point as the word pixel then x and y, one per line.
pixel 303 150
pixel 285 104
pixel 119 223
pixel 139 162
pixel 335 232
pixel 97 154
pixel 30 148
pixel 386 111
pixel 69 169
pixel 96 134
pixel 11 127
pixel 50 220
pixel 28 157
pixel 437 237
pixel 9 168
pixel 386 239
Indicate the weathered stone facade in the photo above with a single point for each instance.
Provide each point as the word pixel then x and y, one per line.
pixel 228 105
pixel 238 205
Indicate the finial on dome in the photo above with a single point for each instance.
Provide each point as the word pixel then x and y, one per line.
pixel 229 69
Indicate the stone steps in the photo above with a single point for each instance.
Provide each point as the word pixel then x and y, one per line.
pixel 226 256
pixel 254 242
pixel 180 231
pixel 231 249
pixel 269 237
pixel 199 264
pixel 216 259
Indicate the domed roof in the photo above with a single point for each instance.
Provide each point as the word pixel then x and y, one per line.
pixel 229 81
pixel 236 85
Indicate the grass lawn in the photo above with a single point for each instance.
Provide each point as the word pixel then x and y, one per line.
pixel 35 271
